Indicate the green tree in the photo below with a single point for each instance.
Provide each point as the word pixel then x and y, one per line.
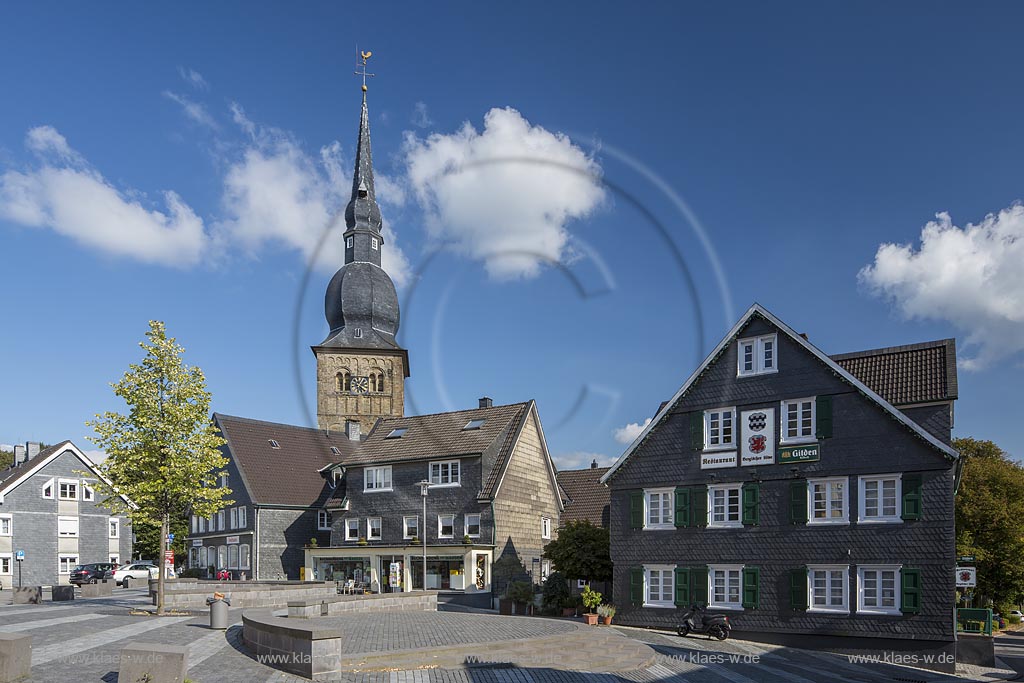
pixel 581 551
pixel 990 518
pixel 164 454
pixel 6 459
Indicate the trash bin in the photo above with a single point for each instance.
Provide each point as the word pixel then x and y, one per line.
pixel 218 610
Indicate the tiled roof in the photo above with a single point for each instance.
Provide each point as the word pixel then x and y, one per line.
pixel 905 375
pixel 287 475
pixel 7 476
pixel 588 497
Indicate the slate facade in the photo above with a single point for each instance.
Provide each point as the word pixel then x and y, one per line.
pixel 788 556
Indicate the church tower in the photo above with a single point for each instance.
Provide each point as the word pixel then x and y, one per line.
pixel 360 368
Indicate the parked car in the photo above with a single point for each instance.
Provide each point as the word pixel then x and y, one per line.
pixel 91 573
pixel 1017 613
pixel 139 572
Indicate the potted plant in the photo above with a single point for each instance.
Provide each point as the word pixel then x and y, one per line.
pixel 606 612
pixel 521 593
pixel 569 606
pixel 591 599
pixel 466 540
pixel 312 542
pixel 362 541
pixel 414 540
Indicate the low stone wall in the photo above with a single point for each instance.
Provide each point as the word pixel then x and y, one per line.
pixel 246 594
pixel 357 604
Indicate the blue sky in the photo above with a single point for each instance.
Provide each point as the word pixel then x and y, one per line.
pixel 182 162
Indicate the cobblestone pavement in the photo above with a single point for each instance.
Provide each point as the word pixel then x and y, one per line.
pixel 80 641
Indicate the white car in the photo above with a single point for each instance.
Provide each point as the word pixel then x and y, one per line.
pixel 135 573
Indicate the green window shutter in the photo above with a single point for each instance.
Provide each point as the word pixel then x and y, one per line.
pixel 636 585
pixel 697 431
pixel 636 509
pixel 751 504
pixel 682 517
pixel 798 502
pixel 912 496
pixel 699 506
pixel 798 588
pixel 823 417
pixel 751 587
pixel 910 584
pixel 699 594
pixel 682 586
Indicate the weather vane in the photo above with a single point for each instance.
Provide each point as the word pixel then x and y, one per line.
pixel 361 67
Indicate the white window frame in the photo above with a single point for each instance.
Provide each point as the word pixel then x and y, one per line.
pixel 405 527
pixel 64 566
pixel 115 558
pixel 224 480
pixel 466 525
pixel 844 569
pixel 48 484
pixel 440 524
pixel 220 520
pixel 664 570
pixel 784 436
pixel 88 493
pixel 722 445
pixel 665 521
pixel 897 570
pixel 727 523
pixel 453 467
pixel 545 528
pixel 352 529
pixel 827 481
pixel 195 524
pixel 738 568
pixel 381 474
pixel 323 520
pixel 202 525
pixel 233 518
pixel 583 583
pixel 862 516
pixel 9 524
pixel 374 243
pixel 369 528
pixel 67 482
pixel 244 558
pixel 66 520
pixel 242 517
pixel 758 365
pixel 348 242
pixel 113 527
pixel 8 559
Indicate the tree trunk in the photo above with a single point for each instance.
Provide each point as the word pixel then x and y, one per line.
pixel 161 564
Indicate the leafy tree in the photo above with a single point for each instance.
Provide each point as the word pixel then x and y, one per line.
pixel 163 454
pixel 581 551
pixel 147 537
pixel 6 459
pixel 990 518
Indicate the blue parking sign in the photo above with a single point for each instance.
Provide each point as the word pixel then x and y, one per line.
pixel 20 555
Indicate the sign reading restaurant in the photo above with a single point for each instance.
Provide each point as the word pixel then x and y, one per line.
pixel 713 461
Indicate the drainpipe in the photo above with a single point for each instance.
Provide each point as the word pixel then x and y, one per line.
pixel 256 543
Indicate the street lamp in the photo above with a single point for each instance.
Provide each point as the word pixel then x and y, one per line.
pixel 424 486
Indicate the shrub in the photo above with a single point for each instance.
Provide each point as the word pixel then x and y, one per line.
pixel 520 591
pixel 591 598
pixel 556 591
pixel 192 573
pixel 606 610
pixel 1013 619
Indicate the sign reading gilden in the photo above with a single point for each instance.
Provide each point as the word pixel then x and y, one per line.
pixel 757 437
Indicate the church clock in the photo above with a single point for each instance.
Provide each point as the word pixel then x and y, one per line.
pixel 360 385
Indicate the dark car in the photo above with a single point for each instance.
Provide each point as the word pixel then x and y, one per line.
pixel 91 573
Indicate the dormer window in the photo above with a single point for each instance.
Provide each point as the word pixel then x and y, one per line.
pixel 335 450
pixel 374 243
pixel 348 243
pixel 358 333
pixel 474 424
pixel 397 433
pixel 336 474
pixel 756 355
pixel 273 443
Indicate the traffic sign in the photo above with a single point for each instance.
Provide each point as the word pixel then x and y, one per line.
pixel 19 555
pixel 965 558
pixel 170 537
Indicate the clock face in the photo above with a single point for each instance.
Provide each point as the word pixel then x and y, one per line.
pixel 360 385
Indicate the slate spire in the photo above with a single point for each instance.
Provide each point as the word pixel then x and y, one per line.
pixel 363 240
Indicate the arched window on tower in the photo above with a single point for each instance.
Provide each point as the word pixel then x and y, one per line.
pixel 377 380
pixel 343 381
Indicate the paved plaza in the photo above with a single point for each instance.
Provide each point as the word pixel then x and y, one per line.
pixel 80 641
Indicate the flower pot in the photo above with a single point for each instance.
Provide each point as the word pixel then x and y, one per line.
pixel 591 619
pixel 607 621
pixel 568 611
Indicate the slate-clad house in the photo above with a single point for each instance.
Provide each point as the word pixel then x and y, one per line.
pixel 341 501
pixel 49 509
pixel 783 486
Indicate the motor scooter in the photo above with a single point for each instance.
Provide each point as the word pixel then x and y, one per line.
pixel 697 620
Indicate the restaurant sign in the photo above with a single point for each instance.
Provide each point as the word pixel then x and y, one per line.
pixel 807 453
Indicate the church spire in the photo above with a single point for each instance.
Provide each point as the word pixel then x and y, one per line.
pixel 362 215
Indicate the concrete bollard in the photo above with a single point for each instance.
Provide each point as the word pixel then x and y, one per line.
pixel 61 593
pixel 28 595
pixel 15 657
pixel 153 663
pixel 97 590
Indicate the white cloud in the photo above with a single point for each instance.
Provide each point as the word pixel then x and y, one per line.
pixel 195 111
pixel 193 78
pixel 275 192
pixel 421 116
pixel 504 195
pixel 970 277
pixel 96 456
pixel 578 460
pixel 64 193
pixel 6 447
pixel 629 433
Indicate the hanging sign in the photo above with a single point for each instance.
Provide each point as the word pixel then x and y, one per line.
pixel 197 543
pixel 757 437
pixel 966 577
pixel 807 453
pixel 232 540
pixel 713 461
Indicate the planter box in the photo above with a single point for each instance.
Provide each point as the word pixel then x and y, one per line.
pixel 590 619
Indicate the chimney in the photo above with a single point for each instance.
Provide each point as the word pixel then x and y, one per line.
pixel 593 465
pixel 19 455
pixel 486 402
pixel 352 429
pixel 804 335
pixel 33 449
